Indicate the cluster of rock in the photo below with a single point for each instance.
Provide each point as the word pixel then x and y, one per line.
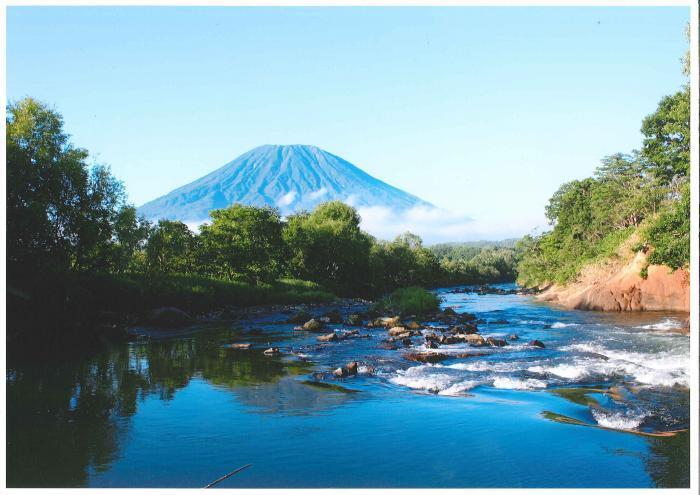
pixel 444 328
pixel 489 289
pixel 433 330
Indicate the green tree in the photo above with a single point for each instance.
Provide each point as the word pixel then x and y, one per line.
pixel 327 246
pixel 403 262
pixel 171 248
pixel 60 211
pixel 667 137
pixel 670 233
pixel 130 234
pixel 243 241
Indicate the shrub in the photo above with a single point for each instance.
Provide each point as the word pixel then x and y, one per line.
pixel 410 300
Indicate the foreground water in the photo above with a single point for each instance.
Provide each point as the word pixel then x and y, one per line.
pixel 183 411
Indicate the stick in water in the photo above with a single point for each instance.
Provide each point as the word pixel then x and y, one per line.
pixel 227 476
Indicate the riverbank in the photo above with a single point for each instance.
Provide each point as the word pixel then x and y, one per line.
pixel 72 313
pixel 618 285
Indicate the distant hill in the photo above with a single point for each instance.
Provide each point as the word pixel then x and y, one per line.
pixel 293 178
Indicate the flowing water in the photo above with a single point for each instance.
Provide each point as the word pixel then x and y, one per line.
pixel 181 411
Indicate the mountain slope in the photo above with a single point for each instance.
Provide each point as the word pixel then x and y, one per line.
pixel 290 177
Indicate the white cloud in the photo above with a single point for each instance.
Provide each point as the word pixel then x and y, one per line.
pixel 351 200
pixel 287 199
pixel 314 195
pixel 433 225
pixel 195 225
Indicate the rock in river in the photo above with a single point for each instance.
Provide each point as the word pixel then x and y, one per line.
pixel 353 320
pixel 537 343
pixel 463 329
pixel 327 338
pixel 496 342
pixel 239 346
pixel 413 325
pixel 426 357
pixel 313 325
pixel 351 368
pixel 299 318
pixel 475 339
pixel 396 331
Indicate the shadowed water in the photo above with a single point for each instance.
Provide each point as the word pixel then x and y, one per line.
pixel 183 411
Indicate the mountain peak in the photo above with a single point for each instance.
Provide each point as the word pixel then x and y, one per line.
pixel 291 177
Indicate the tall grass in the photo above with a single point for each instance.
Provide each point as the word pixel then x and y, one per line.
pixel 409 301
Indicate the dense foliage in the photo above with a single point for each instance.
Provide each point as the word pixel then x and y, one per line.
pixel 482 262
pixel 645 192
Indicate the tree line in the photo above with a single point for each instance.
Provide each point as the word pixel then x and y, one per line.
pixel 67 215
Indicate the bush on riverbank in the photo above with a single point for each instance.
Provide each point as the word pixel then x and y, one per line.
pixel 409 301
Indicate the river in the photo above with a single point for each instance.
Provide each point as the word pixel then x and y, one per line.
pixel 184 410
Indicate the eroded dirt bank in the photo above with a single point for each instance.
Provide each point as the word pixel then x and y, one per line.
pixel 618 286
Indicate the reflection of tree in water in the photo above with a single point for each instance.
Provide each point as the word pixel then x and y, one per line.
pixel 669 461
pixel 62 419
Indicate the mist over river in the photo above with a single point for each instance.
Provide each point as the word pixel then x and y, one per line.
pixel 604 404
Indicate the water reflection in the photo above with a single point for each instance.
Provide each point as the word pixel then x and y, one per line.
pixel 64 418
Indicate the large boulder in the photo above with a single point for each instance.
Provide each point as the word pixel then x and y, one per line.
pixel 168 317
pixel 387 322
pixel 426 357
pixel 413 325
pixel 313 325
pixel 396 331
pixel 475 339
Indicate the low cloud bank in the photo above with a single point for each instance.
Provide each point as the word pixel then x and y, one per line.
pixel 434 225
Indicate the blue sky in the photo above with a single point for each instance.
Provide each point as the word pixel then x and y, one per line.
pixel 482 111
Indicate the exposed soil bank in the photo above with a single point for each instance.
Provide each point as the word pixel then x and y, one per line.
pixel 618 286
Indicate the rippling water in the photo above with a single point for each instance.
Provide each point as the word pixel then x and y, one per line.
pixel 585 411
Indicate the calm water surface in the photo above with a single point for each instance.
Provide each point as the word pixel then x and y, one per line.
pixel 183 411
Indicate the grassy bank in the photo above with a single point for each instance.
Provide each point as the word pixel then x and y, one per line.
pixel 57 313
pixel 196 293
pixel 135 293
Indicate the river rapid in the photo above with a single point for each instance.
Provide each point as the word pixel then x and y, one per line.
pixel 604 404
